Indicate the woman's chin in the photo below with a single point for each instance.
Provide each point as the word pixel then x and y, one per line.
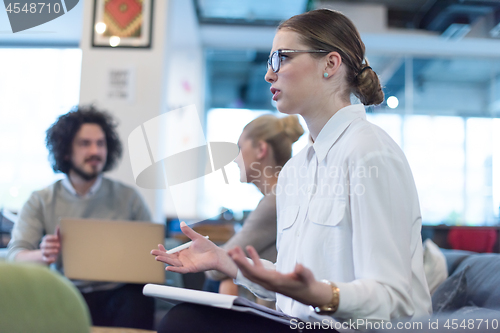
pixel 284 108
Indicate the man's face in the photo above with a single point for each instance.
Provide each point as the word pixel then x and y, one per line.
pixel 89 151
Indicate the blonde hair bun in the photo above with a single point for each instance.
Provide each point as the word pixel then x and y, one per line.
pixel 292 127
pixel 280 133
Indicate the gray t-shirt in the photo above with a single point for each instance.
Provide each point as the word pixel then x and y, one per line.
pixel 40 215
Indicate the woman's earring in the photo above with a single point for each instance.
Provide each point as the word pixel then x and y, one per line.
pixel 325 75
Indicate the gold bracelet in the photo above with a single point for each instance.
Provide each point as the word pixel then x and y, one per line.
pixel 334 303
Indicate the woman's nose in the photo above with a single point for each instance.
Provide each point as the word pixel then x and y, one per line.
pixel 270 75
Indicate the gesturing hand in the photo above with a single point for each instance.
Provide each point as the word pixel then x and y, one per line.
pixel 50 247
pixel 299 284
pixel 202 255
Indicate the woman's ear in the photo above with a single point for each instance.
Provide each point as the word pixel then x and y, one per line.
pixel 262 149
pixel 333 62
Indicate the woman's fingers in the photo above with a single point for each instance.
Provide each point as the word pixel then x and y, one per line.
pixel 238 256
pixel 157 253
pixel 190 233
pixel 161 251
pixel 254 272
pixel 304 274
pixel 169 260
pixel 182 270
pixel 254 256
pixel 163 256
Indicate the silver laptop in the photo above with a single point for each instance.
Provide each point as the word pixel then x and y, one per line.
pixel 116 251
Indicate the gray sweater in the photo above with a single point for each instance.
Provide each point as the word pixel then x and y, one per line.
pixel 40 215
pixel 259 230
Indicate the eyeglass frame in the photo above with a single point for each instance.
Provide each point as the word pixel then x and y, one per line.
pixel 280 52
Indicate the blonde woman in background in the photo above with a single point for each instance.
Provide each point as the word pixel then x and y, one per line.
pixel 265 146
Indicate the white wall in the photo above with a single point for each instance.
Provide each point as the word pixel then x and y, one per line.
pixel 149 86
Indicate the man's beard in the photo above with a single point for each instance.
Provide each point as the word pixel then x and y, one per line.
pixel 86 176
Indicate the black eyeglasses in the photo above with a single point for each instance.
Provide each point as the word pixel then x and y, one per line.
pixel 274 60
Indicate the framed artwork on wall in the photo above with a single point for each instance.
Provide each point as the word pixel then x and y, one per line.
pixel 122 23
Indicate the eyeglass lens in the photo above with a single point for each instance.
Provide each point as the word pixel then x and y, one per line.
pixel 274 61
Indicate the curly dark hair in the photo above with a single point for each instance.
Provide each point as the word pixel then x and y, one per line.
pixel 60 136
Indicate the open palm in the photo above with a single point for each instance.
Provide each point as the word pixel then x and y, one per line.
pixel 299 284
pixel 202 255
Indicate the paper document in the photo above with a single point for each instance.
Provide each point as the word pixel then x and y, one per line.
pixel 235 303
pixel 179 295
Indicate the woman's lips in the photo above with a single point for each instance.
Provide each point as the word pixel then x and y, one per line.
pixel 275 93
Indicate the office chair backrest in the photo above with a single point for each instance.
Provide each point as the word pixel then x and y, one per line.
pixel 35 299
pixel 475 239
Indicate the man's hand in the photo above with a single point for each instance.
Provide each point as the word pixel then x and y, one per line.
pixel 299 284
pixel 202 255
pixel 50 247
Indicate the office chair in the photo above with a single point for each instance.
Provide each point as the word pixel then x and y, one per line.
pixel 36 299
pixel 475 239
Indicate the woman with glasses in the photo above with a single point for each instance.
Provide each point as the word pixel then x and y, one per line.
pixel 349 243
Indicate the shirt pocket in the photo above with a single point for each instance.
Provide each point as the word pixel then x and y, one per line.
pixel 327 211
pixel 288 217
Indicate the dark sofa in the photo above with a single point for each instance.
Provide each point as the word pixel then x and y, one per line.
pixel 467 301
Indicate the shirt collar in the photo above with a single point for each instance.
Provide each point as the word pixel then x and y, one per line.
pixel 67 185
pixel 335 127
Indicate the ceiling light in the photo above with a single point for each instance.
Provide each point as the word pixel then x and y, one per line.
pixel 392 102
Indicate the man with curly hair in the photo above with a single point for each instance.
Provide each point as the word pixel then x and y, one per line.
pixel 83 144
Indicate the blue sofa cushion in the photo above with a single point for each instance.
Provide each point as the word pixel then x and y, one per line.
pixel 451 294
pixel 483 280
pixel 454 258
pixel 472 311
pixel 466 320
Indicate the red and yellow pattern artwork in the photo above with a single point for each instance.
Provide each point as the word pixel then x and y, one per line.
pixel 123 18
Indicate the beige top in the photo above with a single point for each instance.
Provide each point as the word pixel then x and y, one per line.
pixel 259 230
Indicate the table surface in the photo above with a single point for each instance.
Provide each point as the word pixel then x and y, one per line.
pixel 99 329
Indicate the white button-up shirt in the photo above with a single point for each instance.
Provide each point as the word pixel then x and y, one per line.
pixel 348 210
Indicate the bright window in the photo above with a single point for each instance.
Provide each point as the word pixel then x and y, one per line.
pixel 434 147
pixel 455 164
pixel 479 152
pixel 36 86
